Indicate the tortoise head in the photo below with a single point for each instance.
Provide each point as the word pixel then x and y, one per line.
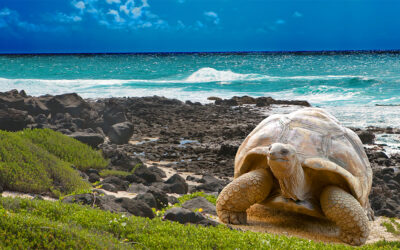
pixel 282 159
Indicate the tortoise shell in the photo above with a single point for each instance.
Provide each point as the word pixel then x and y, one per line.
pixel 315 134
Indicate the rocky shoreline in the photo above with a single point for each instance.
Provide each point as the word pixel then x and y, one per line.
pixel 155 133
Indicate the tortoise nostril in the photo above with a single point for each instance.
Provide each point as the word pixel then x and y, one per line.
pixel 284 151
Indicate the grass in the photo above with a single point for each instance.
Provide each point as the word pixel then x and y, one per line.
pixel 109 172
pixel 66 148
pixel 41 224
pixel 33 161
pixel 392 226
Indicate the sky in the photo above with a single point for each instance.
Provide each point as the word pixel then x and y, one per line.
pixel 107 26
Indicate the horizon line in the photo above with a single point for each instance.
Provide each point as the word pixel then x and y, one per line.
pixel 393 51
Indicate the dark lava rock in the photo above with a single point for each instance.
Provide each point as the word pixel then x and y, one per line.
pixel 109 187
pixel 210 184
pixel 67 103
pixel 147 198
pixel 367 137
pixel 83 199
pixel 91 171
pixel 113 112
pixel 228 150
pixel 93 177
pixel 119 157
pixel 158 171
pixel 176 184
pixel 183 215
pixel 173 200
pixel 13 119
pixel 137 188
pixel 146 174
pixel 120 133
pixel 200 202
pixel 119 184
pixel 136 207
pixel 160 196
pixel 134 179
pixel 91 139
pixel 20 101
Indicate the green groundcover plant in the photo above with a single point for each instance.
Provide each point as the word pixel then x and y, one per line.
pixel 41 161
pixel 38 224
pixel 66 148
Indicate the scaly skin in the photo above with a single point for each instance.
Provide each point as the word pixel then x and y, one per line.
pixel 241 193
pixel 342 208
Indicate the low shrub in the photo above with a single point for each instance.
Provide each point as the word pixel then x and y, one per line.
pixel 26 167
pixel 108 172
pixel 66 148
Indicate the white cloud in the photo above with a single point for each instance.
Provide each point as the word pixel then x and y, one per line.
pixel 297 14
pixel 64 18
pixel 113 1
pixel 211 15
pixel 137 12
pixel 80 5
pixel 117 17
pixel 280 21
pixel 131 14
pixel 181 1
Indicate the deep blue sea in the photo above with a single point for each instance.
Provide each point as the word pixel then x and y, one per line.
pixel 350 85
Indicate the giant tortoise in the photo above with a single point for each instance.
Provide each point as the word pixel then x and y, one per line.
pixel 304 162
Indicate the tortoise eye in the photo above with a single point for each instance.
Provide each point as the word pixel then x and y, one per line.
pixel 284 151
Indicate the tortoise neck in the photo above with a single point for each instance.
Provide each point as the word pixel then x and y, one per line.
pixel 294 185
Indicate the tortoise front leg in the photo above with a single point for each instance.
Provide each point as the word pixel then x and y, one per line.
pixel 342 208
pixel 241 193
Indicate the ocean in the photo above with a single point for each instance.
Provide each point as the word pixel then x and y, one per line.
pixel 361 89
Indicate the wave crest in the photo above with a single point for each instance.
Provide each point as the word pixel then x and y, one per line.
pixel 212 75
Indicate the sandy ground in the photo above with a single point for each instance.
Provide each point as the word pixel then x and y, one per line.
pixel 263 220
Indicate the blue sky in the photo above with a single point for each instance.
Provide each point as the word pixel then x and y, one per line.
pixel 67 26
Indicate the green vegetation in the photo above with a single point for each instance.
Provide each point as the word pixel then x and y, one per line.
pixel 30 162
pixel 186 197
pixel 108 172
pixel 392 226
pixel 66 148
pixel 41 224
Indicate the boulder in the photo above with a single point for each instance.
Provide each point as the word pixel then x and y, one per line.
pixel 200 202
pixel 137 188
pixel 147 198
pixel 160 196
pixel 210 184
pixel 149 176
pixel 158 171
pixel 136 207
pixel 228 150
pixel 183 215
pixel 176 184
pixel 366 137
pixel 109 187
pixel 91 139
pixel 173 200
pixel 93 177
pixel 13 119
pixel 119 184
pixel 120 133
pixel 70 103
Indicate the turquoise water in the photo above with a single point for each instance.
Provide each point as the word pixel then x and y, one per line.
pixel 350 85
